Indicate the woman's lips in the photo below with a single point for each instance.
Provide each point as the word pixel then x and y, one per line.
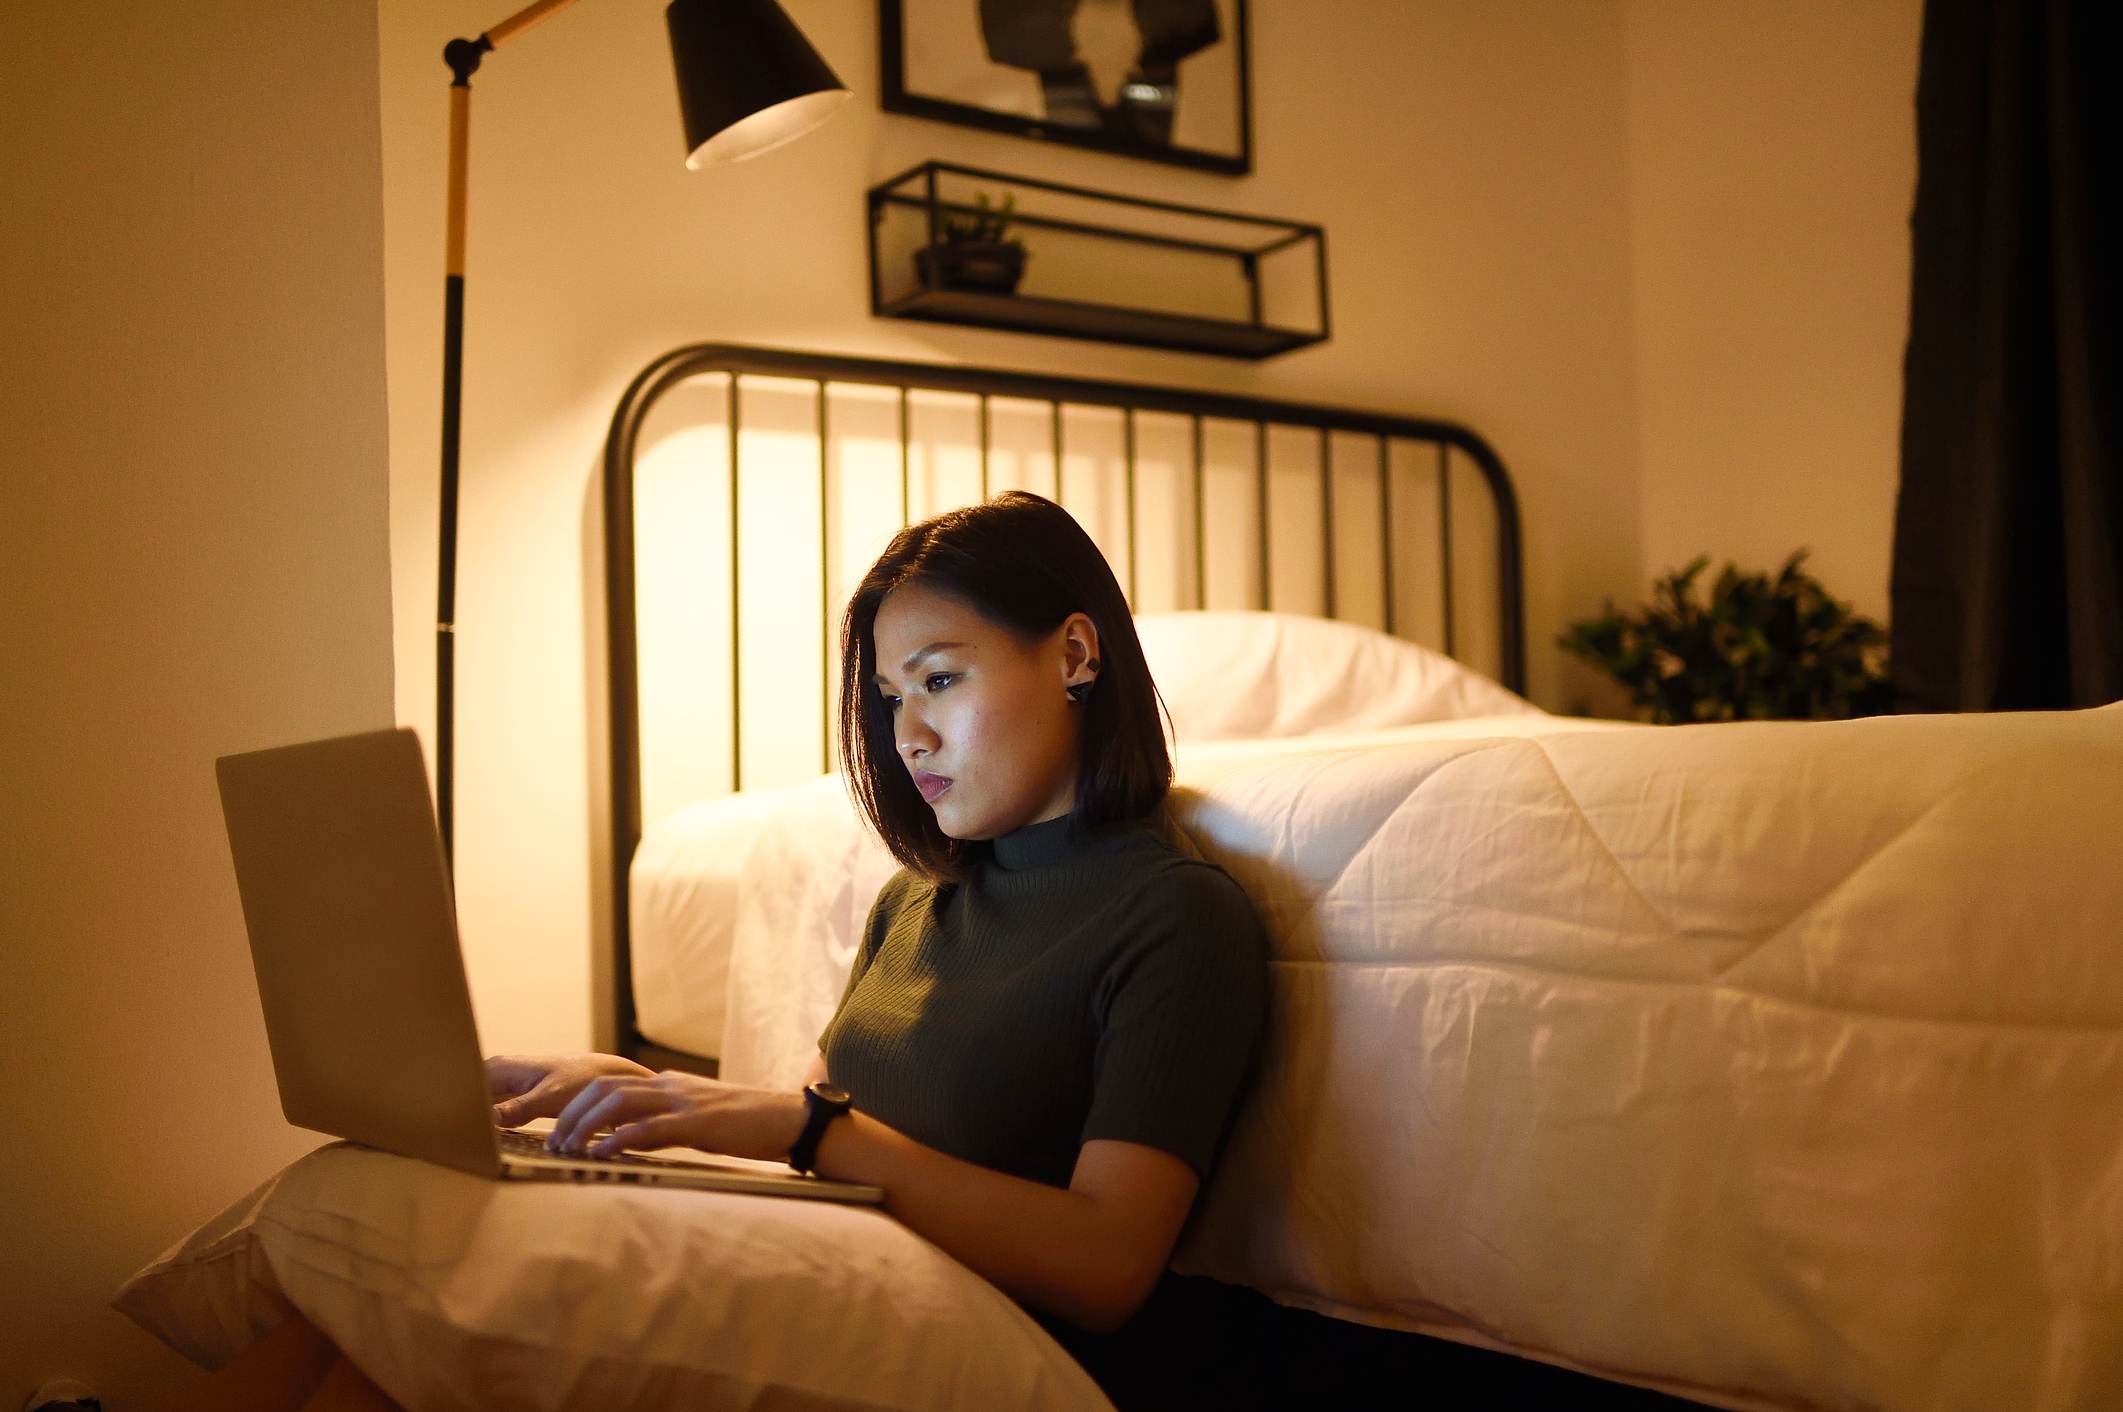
pixel 930 785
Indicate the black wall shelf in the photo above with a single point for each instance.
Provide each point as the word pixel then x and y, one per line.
pixel 1116 269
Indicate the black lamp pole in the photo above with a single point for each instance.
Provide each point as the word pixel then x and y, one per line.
pixel 747 80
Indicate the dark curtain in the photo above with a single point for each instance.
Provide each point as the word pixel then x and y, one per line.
pixel 2007 589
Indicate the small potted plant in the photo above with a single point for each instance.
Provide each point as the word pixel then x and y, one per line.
pixel 1760 649
pixel 973 250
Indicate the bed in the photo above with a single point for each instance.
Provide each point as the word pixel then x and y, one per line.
pixel 1619 978
pixel 1767 1065
pixel 1201 502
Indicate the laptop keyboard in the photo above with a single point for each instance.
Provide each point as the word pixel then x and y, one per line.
pixel 533 1145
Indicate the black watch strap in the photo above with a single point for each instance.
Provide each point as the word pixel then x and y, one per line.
pixel 826 1103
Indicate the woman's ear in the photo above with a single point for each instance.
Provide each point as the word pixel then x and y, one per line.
pixel 1079 643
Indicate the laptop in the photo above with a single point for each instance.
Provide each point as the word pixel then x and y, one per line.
pixel 361 974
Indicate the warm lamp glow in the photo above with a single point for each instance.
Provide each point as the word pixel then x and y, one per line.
pixel 747 78
pixel 768 128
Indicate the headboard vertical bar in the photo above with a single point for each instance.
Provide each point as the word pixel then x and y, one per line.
pixel 1054 431
pixel 906 512
pixel 1385 526
pixel 1326 458
pixel 1127 430
pixel 737 778
pixel 825 598
pixel 1444 533
pixel 984 446
pixel 1201 523
pixel 1260 507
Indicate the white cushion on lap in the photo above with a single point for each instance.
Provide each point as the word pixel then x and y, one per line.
pixel 1248 675
pixel 454 1291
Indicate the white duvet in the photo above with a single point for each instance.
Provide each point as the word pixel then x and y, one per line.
pixel 745 910
pixel 1778 1064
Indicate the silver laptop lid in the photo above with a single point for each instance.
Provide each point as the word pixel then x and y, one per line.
pixel 354 938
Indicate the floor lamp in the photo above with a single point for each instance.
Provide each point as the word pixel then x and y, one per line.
pixel 747 80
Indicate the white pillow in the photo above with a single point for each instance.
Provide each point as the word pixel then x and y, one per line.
pixel 455 1291
pixel 1229 675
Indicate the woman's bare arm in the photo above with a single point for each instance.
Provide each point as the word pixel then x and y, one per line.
pixel 1090 1254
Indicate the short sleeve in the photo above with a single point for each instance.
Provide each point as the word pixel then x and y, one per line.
pixel 882 910
pixel 1180 1015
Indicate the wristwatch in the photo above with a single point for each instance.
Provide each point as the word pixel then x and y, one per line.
pixel 826 1103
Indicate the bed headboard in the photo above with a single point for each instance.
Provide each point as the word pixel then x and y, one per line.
pixel 766 480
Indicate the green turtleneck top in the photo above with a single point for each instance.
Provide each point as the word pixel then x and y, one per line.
pixel 1075 985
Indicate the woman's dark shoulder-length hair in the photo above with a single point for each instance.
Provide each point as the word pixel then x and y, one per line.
pixel 1023 563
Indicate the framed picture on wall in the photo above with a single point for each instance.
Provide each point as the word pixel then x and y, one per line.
pixel 1164 80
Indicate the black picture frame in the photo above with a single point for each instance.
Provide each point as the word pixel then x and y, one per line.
pixel 1231 154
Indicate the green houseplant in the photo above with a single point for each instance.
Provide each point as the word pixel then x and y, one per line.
pixel 974 249
pixel 1760 648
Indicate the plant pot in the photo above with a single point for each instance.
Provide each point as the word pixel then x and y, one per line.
pixel 988 266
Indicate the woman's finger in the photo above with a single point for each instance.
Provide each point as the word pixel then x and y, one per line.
pixel 607 1113
pixel 509 1076
pixel 651 1131
pixel 537 1103
pixel 514 1112
pixel 545 1099
pixel 585 1098
pixel 601 1101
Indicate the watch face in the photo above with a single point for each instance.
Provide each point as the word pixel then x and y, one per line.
pixel 830 1093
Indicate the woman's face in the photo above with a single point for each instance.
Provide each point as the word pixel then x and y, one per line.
pixel 980 720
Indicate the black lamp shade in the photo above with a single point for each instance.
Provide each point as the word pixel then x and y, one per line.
pixel 747 78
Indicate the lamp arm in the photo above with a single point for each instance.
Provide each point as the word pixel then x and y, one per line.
pixel 463 56
pixel 522 20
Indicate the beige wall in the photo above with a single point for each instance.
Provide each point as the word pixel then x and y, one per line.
pixel 1467 161
pixel 1654 251
pixel 1772 164
pixel 193 542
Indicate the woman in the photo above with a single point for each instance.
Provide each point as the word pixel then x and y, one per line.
pixel 1056 1006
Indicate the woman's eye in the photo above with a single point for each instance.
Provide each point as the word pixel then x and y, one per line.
pixel 932 683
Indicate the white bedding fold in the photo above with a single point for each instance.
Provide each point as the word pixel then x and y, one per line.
pixel 744 909
pixel 1773 1063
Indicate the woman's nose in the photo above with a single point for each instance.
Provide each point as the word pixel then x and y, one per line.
pixel 915 737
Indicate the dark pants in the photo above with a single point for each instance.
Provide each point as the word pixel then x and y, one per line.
pixel 1194 1343
pixel 1202 1343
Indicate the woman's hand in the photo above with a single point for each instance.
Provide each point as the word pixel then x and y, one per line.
pixel 678 1109
pixel 541 1087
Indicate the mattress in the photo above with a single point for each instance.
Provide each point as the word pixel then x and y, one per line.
pixel 1777 1060
pixel 1775 1064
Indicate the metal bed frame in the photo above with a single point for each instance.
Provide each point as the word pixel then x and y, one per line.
pixel 738 361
